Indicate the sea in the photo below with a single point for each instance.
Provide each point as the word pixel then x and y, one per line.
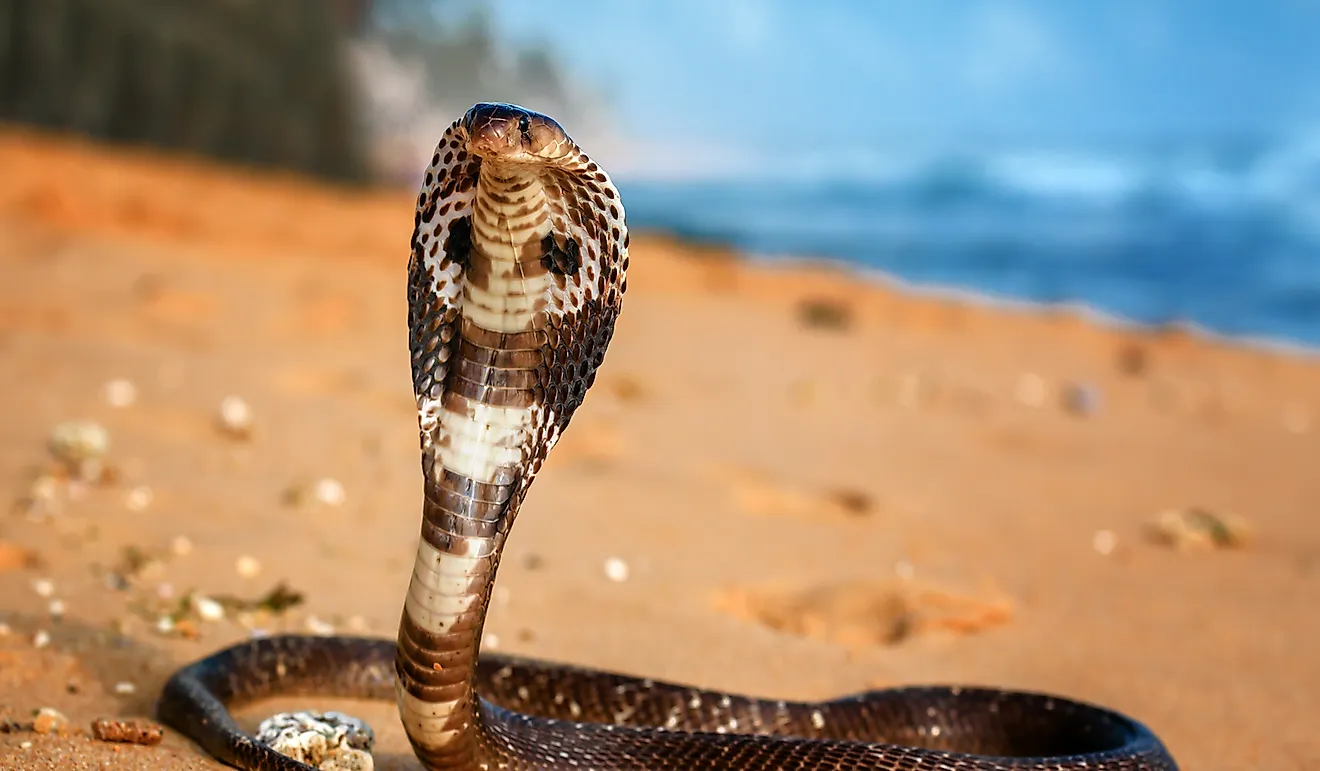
pixel 1220 236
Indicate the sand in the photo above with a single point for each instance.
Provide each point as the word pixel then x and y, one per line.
pixel 809 484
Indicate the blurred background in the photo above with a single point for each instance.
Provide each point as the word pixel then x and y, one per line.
pixel 1156 161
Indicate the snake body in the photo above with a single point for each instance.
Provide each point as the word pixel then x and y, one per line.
pixel 517 274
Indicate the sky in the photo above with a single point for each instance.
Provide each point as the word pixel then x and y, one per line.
pixel 753 77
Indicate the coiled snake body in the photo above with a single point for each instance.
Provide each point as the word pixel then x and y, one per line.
pixel 519 257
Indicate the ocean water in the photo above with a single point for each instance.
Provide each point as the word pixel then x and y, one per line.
pixel 1225 238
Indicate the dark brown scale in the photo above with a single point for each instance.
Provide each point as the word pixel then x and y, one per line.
pixel 540 716
pixel 458 245
pixel 560 260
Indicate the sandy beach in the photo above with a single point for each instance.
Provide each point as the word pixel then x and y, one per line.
pixel 787 482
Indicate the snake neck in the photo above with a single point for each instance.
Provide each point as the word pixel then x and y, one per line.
pixel 477 461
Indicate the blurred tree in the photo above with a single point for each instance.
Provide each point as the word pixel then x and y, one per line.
pixel 257 82
pixel 264 82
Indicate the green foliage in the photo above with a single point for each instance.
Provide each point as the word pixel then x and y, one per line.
pixel 261 82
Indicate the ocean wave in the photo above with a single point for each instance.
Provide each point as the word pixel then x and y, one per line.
pixel 1223 236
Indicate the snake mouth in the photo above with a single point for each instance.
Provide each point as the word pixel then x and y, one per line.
pixel 513 134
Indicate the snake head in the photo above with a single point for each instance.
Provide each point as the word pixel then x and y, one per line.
pixel 513 134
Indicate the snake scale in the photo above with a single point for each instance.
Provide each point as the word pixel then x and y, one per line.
pixel 517 274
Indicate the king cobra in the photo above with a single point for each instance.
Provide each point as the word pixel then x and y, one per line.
pixel 517 274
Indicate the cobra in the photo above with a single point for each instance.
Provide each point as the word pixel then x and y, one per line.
pixel 517 274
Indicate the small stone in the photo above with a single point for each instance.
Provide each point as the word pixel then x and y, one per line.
pixel 1132 360
pixel 616 570
pixel 328 491
pixel 186 629
pixel 490 640
pixel 25 745
pixel 825 313
pixel 49 720
pixel 139 498
pixel 125 688
pixel 1104 542
pixel 236 417
pixel 318 626
pixel 119 393
pixel 41 639
pixel 78 441
pixel 1196 528
pixel 130 731
pixel 1081 399
pixel 247 566
pixel 164 625
pixel 44 587
pixel 207 609
pixel 56 609
pixel 181 546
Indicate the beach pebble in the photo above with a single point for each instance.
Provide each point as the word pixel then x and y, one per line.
pixel 1132 360
pixel 125 688
pixel 330 741
pixel 329 491
pixel 49 721
pixel 207 609
pixel 1081 399
pixel 1104 542
pixel 76 442
pixel 317 626
pixel 182 546
pixel 44 587
pixel 130 731
pixel 235 417
pixel 616 570
pixel 56 609
pixel 247 566
pixel 119 393
pixel 139 498
pixel 825 313
pixel 1196 528
pixel 41 639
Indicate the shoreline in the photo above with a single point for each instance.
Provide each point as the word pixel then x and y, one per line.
pixel 68 150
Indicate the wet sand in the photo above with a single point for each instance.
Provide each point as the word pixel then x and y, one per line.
pixel 817 485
